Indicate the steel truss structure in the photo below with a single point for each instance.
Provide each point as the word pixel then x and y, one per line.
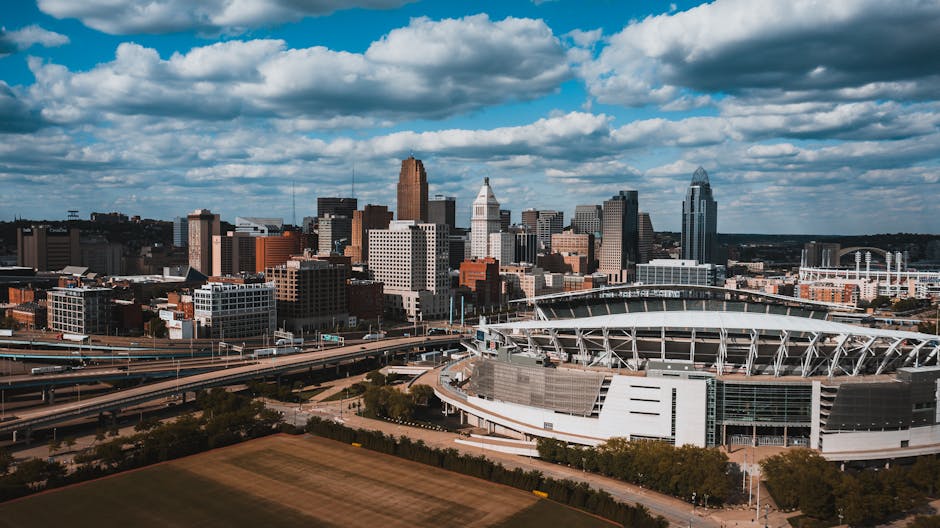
pixel 723 342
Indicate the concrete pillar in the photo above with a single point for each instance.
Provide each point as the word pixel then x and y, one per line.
pixel 784 436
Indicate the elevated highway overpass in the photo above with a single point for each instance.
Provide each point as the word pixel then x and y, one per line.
pixel 55 414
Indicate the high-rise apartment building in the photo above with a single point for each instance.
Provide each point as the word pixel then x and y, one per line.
pixel 336 206
pixel 411 260
pixel 203 225
pixel 180 232
pixel 484 220
pixel 621 237
pixel 413 191
pixel 549 223
pixel 700 221
pixel 230 309
pixel 233 253
pixel 443 210
pixel 335 234
pixel 46 248
pixel 645 237
pixel 370 217
pixel 587 219
pixel 310 294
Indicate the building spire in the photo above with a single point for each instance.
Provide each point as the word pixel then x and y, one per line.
pixel 700 177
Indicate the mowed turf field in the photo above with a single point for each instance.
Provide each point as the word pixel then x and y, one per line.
pixel 291 481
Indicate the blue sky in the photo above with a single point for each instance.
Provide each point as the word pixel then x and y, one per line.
pixel 810 116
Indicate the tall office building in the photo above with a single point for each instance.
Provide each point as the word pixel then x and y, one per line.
pixel 621 237
pixel 412 191
pixel 530 219
pixel 502 247
pixel 645 237
pixel 483 221
pixel 233 253
pixel 527 247
pixel 505 219
pixel 276 250
pixel 442 210
pixel 411 260
pixel 336 206
pixel 335 234
pixel 46 248
pixel 203 225
pixel 700 221
pixel 371 217
pixel 587 219
pixel 549 223
pixel 180 232
pixel 821 254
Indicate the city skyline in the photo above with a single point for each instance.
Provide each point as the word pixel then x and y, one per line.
pixel 807 128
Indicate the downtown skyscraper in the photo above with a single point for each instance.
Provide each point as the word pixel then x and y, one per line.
pixel 620 247
pixel 412 191
pixel 699 221
pixel 484 220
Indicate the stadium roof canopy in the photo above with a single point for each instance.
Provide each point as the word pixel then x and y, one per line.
pixel 714 320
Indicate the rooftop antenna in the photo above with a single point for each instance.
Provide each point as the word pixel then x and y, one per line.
pixel 293 204
pixel 353 190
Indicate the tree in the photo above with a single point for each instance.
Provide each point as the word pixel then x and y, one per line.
pixel 880 302
pixel 422 395
pixel 70 442
pixel 801 478
pixel 54 445
pixel 377 378
pixel 6 460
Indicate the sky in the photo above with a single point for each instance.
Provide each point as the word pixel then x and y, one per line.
pixel 816 117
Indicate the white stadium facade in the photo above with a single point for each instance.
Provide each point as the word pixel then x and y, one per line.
pixel 702 366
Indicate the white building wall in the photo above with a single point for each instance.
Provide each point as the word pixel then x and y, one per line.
pixel 635 406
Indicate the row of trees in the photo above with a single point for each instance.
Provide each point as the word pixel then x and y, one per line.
pixel 385 401
pixel 576 494
pixel 226 418
pixel 678 471
pixel 802 479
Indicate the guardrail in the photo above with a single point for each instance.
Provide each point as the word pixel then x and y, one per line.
pixel 264 368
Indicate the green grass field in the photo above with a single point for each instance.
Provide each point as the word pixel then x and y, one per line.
pixel 545 513
pixel 290 481
pixel 157 496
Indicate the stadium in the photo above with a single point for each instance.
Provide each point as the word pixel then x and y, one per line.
pixel 703 366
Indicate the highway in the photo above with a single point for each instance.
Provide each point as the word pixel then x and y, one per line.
pixel 123 370
pixel 55 414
